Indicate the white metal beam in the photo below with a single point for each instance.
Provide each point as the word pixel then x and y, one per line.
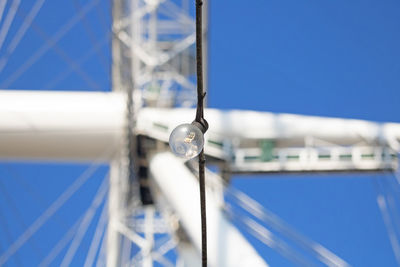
pixel 82 126
pixel 71 126
pixel 226 246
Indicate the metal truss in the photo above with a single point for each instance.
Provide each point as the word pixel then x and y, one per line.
pixel 153 62
pixel 153 51
pixel 270 152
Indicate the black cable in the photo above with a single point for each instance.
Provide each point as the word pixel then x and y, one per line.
pixel 199 61
pixel 200 119
pixel 202 162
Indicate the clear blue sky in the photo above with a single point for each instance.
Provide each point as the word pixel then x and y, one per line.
pixel 326 58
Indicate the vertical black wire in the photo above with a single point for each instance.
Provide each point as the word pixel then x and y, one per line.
pixel 200 119
pixel 202 162
pixel 199 62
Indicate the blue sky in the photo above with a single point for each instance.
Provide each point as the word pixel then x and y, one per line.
pixel 325 58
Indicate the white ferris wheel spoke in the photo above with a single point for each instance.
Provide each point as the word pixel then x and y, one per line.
pixel 389 212
pixel 60 77
pixel 57 204
pixel 391 190
pixel 18 216
pixel 389 226
pixel 20 33
pixel 8 21
pixel 257 210
pixel 86 221
pixel 142 50
pixel 68 60
pixel 271 240
pixel 126 250
pixel 2 7
pixel 7 234
pixel 49 44
pixel 96 240
pixel 61 244
pixel 72 232
pixel 101 259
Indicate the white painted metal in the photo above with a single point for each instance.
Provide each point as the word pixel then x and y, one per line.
pixel 226 246
pixel 82 126
pixel 46 215
pixel 149 236
pixel 89 120
pixel 84 225
pixel 188 255
pixel 116 204
pixel 153 56
pixel 153 52
pixel 315 159
pixel 296 143
pixel 290 129
pixel 273 222
pixel 71 126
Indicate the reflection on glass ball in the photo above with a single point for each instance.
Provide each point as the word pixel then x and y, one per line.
pixel 186 141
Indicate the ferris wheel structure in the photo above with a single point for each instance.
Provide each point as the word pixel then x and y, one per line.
pixel 149 212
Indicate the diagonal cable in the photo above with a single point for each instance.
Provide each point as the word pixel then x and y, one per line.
pixel 101 16
pixel 90 33
pixel 2 7
pixel 8 21
pixel 49 44
pixel 21 32
pixel 383 207
pixel 269 239
pixel 6 230
pixel 258 211
pixel 61 76
pixel 38 223
pixel 17 215
pixel 67 59
pixel 31 191
pixel 102 254
pixel 94 245
pixel 390 189
pixel 389 226
pixel 84 225
pixel 61 244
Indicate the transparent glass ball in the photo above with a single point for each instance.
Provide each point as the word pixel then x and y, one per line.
pixel 186 141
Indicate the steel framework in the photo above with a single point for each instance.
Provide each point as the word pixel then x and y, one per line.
pixel 153 63
pixel 153 90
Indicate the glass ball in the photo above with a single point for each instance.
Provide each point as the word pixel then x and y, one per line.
pixel 186 141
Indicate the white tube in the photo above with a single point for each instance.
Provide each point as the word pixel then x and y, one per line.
pixel 226 246
pixel 289 129
pixel 60 125
pixel 81 126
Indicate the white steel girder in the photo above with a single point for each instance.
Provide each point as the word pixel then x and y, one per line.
pixel 83 126
pixel 78 126
pixel 153 64
pixel 153 51
pixel 226 246
pixel 153 57
pixel 87 126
